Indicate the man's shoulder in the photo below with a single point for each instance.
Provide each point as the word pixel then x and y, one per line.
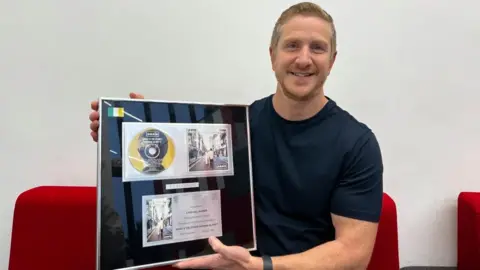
pixel 350 129
pixel 257 106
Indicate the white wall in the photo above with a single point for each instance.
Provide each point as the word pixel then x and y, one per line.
pixel 407 68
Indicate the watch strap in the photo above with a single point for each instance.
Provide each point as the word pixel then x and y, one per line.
pixel 267 263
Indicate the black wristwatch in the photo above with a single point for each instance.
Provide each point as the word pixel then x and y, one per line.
pixel 267 263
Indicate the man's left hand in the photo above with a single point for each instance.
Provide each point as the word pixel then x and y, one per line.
pixel 226 257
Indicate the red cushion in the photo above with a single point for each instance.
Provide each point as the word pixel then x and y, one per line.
pixel 468 230
pixel 385 252
pixel 55 228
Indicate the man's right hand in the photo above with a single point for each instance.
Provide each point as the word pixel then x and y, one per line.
pixel 94 116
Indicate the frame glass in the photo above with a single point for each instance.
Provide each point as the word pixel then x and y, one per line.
pixel 170 175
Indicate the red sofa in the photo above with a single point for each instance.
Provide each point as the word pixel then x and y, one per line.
pixel 468 231
pixel 62 221
pixel 385 252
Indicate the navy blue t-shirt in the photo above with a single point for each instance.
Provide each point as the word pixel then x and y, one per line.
pixel 303 171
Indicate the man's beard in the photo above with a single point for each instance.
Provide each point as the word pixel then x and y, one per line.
pixel 301 98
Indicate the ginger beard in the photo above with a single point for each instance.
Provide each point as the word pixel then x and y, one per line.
pixel 301 86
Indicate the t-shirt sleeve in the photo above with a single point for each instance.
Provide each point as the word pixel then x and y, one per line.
pixel 359 192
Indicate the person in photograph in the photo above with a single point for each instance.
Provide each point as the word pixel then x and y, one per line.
pixel 207 160
pixel 317 170
pixel 160 228
pixel 210 156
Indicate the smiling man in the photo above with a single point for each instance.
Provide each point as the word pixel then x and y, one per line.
pixel 317 170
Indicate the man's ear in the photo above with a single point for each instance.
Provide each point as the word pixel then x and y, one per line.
pixel 272 57
pixel 332 60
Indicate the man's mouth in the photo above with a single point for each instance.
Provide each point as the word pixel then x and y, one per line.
pixel 301 74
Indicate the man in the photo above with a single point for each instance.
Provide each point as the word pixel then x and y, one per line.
pixel 209 158
pixel 317 170
pixel 160 228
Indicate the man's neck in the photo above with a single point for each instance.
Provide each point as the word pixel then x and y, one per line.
pixel 294 110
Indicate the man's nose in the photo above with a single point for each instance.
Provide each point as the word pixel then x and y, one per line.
pixel 304 58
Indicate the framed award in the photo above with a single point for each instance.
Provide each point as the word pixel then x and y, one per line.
pixel 170 175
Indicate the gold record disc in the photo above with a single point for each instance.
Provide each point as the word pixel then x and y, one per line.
pixel 151 151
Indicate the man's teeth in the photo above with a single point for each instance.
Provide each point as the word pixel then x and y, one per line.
pixel 301 74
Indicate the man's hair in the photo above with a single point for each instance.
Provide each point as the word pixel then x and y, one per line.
pixel 304 9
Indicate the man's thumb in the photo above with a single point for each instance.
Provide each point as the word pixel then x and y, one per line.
pixel 137 96
pixel 233 253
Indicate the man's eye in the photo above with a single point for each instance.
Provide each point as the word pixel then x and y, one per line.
pixel 318 48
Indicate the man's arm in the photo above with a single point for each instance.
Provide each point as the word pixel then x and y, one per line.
pixel 356 206
pixel 350 250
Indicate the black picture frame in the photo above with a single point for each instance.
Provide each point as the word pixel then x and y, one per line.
pixel 124 220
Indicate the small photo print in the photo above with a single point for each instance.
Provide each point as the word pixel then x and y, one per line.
pixel 209 148
pixel 158 220
pixel 180 217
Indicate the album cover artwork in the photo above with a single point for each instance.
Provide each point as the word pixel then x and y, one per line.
pixel 157 151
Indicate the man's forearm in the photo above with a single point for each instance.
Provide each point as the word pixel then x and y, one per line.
pixel 329 256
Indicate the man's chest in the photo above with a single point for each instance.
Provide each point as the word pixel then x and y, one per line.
pixel 295 171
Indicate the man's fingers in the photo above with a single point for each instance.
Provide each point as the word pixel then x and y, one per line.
pixel 94 126
pixel 216 245
pixel 226 256
pixel 93 116
pixel 136 95
pixel 94 105
pixel 207 262
pixel 94 136
pixel 232 253
pixel 225 251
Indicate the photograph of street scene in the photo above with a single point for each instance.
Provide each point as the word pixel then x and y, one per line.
pixel 158 220
pixel 209 148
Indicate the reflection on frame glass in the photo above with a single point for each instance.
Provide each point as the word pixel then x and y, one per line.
pixel 171 174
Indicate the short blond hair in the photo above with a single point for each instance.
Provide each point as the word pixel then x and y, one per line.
pixel 305 9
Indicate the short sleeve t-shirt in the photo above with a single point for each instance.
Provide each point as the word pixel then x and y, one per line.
pixel 303 171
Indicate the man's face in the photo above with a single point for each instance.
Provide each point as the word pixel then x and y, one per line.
pixel 303 59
